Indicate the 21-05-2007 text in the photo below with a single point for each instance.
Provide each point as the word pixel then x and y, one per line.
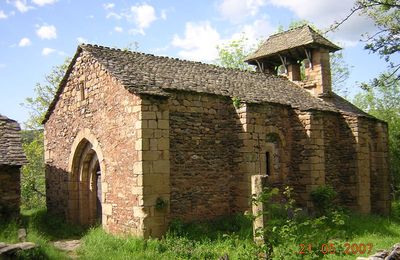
pixel 329 248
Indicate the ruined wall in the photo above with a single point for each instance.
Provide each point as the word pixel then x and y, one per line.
pixel 203 147
pixel 10 191
pixel 93 101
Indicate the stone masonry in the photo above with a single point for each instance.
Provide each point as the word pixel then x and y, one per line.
pixel 12 158
pixel 10 191
pixel 134 141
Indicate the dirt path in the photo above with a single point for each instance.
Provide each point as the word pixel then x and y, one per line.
pixel 70 246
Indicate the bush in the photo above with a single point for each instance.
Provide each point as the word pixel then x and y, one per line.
pixel 323 199
pixel 396 209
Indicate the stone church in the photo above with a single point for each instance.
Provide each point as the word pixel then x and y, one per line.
pixel 134 140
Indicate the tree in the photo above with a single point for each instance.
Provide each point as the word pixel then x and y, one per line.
pixel 44 94
pixel 386 41
pixel 382 101
pixel 232 54
pixel 32 178
pixel 340 71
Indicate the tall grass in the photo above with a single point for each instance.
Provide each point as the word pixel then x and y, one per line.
pixel 225 237
pixel 41 228
pixel 229 236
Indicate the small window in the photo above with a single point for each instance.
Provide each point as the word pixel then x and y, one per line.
pixel 82 90
pixel 267 164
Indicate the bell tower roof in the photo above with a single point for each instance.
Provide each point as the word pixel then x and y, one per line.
pixel 291 44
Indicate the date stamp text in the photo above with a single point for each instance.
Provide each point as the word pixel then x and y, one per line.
pixel 329 248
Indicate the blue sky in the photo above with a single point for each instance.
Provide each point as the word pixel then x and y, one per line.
pixel 39 34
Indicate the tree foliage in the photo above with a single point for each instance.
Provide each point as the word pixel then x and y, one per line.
pixel 33 173
pixel 340 71
pixel 382 101
pixel 44 94
pixel 232 54
pixel 386 40
pixel 33 180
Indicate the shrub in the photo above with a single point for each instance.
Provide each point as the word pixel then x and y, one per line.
pixel 323 199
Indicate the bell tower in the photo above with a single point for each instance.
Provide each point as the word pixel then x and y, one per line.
pixel 289 50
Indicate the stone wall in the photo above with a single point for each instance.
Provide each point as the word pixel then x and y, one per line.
pixel 265 131
pixel 94 103
pixel 340 154
pixel 204 147
pixel 153 168
pixel 372 166
pixel 319 73
pixel 10 191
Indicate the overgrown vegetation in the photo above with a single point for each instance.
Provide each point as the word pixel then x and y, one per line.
pixel 293 234
pixel 42 228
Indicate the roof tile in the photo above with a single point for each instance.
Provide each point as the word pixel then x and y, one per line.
pixel 11 152
pixel 303 36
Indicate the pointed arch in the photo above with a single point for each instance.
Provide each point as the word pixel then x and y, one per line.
pixel 85 181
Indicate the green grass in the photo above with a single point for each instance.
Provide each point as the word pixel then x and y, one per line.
pixel 42 228
pixel 231 236
pixel 226 236
pixel 379 232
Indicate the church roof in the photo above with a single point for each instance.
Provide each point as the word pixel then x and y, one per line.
pixel 290 41
pixel 11 152
pixel 155 75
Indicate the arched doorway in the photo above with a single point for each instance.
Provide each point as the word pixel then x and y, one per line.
pixel 85 194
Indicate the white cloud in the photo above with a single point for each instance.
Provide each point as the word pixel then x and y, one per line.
pixel 47 32
pixel 161 51
pixel 47 51
pixel 142 16
pixel 108 6
pixel 256 31
pixel 3 15
pixel 164 14
pixel 324 13
pixel 82 40
pixel 113 15
pixel 199 42
pixel 24 42
pixel 118 29
pixel 44 2
pixel 237 10
pixel 22 6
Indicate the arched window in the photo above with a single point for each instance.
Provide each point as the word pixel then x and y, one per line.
pixel 273 151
